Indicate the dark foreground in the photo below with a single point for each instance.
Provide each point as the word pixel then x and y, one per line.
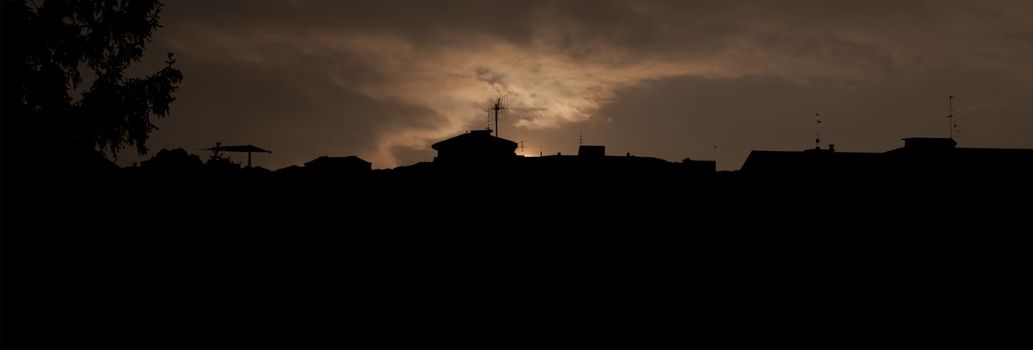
pixel 471 259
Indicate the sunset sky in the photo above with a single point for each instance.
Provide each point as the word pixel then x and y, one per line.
pixel 384 80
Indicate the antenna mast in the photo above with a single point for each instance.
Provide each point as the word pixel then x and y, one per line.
pixel 950 116
pixel 497 107
pixel 817 131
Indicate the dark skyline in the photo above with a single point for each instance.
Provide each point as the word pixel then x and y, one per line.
pixel 384 80
pixel 386 216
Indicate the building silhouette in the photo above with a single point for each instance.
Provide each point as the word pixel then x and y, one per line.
pixel 480 151
pixel 591 151
pixel 475 146
pixel 920 155
pixel 927 245
pixel 350 165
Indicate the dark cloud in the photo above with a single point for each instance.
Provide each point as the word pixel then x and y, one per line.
pixel 385 79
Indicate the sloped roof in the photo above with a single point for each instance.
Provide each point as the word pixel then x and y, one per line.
pixel 246 148
pixel 475 139
pixel 337 160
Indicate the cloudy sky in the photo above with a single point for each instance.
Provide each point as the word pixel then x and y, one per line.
pixel 386 79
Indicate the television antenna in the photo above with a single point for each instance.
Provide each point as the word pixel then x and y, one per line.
pixel 817 131
pixel 952 123
pixel 495 105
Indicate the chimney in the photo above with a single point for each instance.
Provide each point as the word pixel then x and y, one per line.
pixel 832 147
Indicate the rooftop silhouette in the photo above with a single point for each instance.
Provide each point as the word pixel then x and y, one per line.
pixel 482 247
pixel 928 245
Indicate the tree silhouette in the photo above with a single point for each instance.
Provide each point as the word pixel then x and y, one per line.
pixel 101 38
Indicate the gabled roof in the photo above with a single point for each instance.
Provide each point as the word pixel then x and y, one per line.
pixel 475 139
pixel 243 149
pixel 337 160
